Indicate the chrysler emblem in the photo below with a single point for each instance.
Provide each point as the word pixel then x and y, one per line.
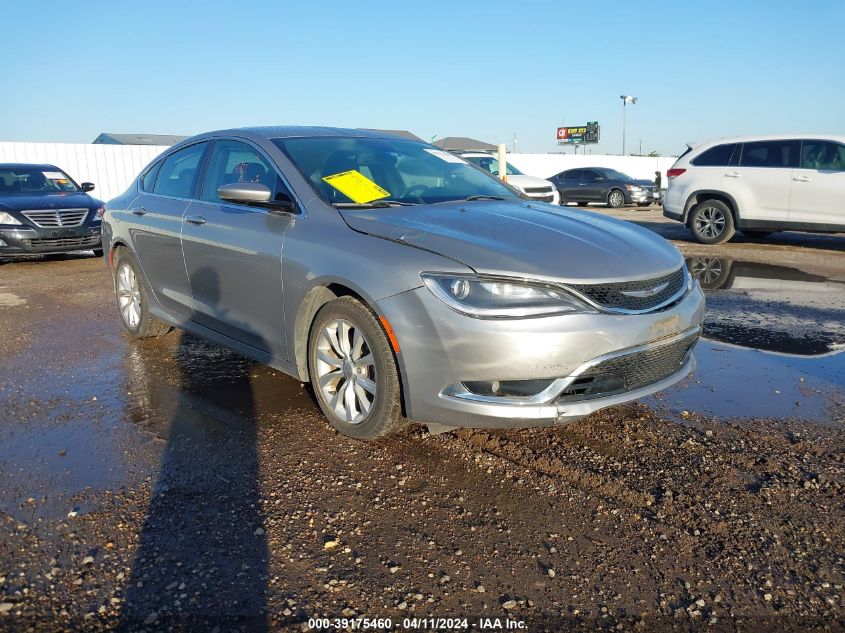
pixel 642 294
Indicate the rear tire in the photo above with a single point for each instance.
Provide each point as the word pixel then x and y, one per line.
pixel 133 297
pixel 615 199
pixel 756 234
pixel 711 222
pixel 353 371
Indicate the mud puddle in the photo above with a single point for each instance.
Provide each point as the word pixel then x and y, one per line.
pixel 773 345
pixel 102 422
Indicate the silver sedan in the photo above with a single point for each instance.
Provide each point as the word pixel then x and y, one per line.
pixel 399 280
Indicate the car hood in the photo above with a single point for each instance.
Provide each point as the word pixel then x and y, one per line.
pixel 532 240
pixel 528 181
pixel 69 200
pixel 644 183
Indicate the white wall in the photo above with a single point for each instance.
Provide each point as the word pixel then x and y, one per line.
pixel 110 167
pixel 545 165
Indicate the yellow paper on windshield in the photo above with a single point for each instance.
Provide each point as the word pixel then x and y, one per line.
pixel 356 186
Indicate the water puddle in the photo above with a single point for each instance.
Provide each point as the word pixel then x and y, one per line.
pixel 773 345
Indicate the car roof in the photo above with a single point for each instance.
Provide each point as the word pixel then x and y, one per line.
pixel 767 137
pixel 294 131
pixel 42 166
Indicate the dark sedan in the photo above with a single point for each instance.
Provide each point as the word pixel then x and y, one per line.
pixel 602 184
pixel 43 211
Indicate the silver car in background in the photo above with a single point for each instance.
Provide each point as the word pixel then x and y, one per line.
pixel 398 280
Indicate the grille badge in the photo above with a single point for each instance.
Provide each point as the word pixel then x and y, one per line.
pixel 648 292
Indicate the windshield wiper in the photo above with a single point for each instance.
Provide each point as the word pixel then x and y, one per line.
pixel 375 203
pixel 483 197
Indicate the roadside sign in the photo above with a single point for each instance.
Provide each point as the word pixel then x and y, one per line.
pixel 580 134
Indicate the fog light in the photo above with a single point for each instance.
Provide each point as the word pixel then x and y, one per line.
pixel 507 388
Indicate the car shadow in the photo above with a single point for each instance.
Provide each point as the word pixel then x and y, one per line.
pixel 202 555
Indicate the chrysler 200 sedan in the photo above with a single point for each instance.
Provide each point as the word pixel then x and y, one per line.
pixel 399 280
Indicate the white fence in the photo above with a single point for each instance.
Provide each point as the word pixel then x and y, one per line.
pixel 545 165
pixel 113 167
pixel 110 167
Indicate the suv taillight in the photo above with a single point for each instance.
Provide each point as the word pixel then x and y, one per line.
pixel 674 173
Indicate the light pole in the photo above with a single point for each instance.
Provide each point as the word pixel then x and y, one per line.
pixel 626 99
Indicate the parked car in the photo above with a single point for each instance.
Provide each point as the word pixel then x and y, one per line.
pixel 399 280
pixel 532 187
pixel 602 184
pixel 758 185
pixel 43 211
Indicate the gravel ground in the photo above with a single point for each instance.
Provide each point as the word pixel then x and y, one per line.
pixel 173 485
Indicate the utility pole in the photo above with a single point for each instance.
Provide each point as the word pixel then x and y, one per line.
pixel 514 143
pixel 626 99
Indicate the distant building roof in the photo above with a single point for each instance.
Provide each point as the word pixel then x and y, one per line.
pixel 464 144
pixel 401 133
pixel 107 138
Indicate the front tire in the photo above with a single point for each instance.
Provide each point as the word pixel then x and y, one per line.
pixel 133 298
pixel 615 199
pixel 353 372
pixel 712 222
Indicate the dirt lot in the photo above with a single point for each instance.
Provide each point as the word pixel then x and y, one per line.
pixel 173 485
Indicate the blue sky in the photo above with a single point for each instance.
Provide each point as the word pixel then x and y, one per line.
pixel 701 69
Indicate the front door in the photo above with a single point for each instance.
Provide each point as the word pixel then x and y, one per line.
pixel 233 252
pixel 591 186
pixel 818 185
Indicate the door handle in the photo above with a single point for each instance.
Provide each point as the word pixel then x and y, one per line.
pixel 582 184
pixel 732 174
pixel 139 211
pixel 195 219
pixel 802 179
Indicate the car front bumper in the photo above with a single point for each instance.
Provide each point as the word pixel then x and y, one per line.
pixel 25 240
pixel 442 350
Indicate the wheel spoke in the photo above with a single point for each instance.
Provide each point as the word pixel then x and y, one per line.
pixel 365 362
pixel 363 400
pixel 343 336
pixel 323 355
pixel 349 401
pixel 330 336
pixel 330 377
pixel 367 384
pixel 357 345
pixel 335 401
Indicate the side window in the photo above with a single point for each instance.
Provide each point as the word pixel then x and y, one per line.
pixel 719 156
pixel 148 179
pixel 178 172
pixel 588 176
pixel 823 155
pixel 572 174
pixel 770 154
pixel 234 162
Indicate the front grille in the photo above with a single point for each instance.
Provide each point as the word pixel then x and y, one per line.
pixel 613 296
pixel 63 242
pixel 56 218
pixel 542 198
pixel 629 372
pixel 547 190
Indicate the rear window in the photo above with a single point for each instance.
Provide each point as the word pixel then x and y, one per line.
pixel 719 156
pixel 770 154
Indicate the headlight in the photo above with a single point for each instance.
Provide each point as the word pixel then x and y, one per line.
pixel 98 214
pixel 500 298
pixel 633 188
pixel 7 218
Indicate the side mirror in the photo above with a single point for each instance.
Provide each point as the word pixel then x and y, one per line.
pixel 244 193
pixel 87 186
pixel 255 193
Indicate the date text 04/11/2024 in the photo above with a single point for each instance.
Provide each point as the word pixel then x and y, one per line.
pixel 418 624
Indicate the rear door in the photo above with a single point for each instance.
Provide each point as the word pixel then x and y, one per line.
pixel 761 183
pixel 156 224
pixel 233 252
pixel 818 185
pixel 567 183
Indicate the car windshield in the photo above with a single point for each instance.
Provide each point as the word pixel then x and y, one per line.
pixel 30 180
pixel 373 171
pixel 612 174
pixel 491 164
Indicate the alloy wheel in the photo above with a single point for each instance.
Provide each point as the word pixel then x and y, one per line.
pixel 710 222
pixel 706 270
pixel 346 370
pixel 616 199
pixel 128 296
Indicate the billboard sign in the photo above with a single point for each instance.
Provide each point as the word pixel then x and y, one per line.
pixel 579 135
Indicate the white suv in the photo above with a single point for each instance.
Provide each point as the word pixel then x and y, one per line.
pixel 533 187
pixel 759 185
